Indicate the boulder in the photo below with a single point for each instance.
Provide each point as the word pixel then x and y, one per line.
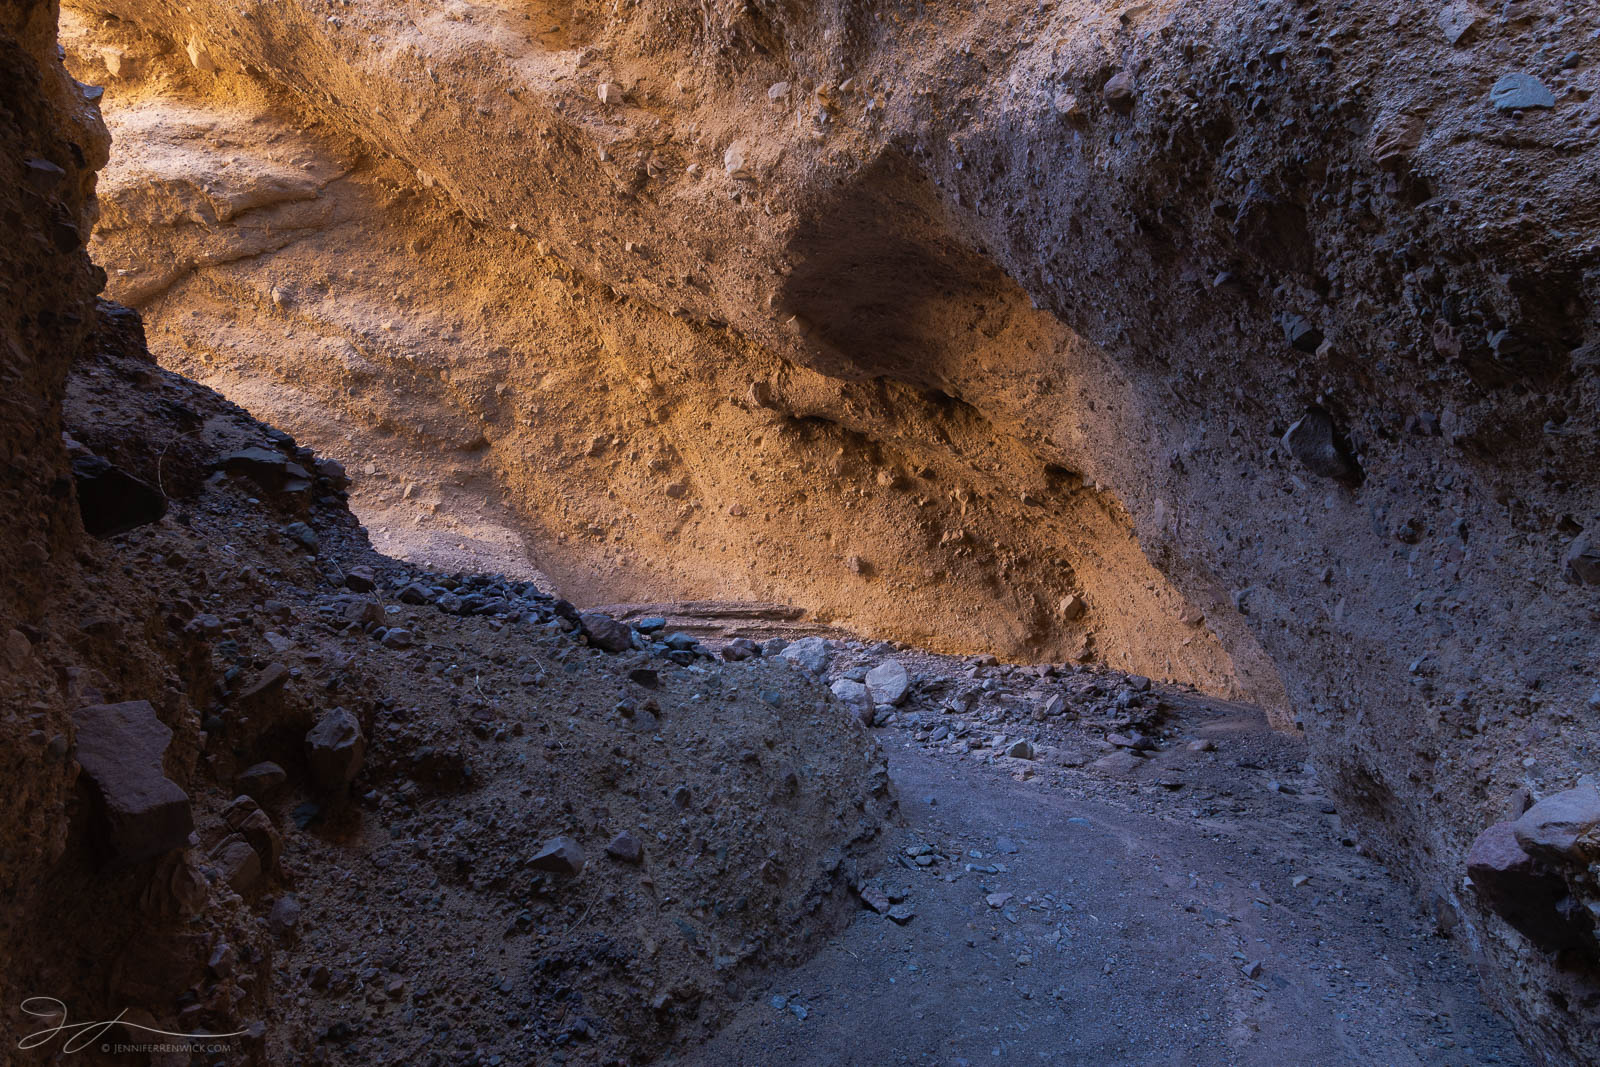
pixel 303 535
pixel 1520 92
pixel 1523 891
pixel 888 683
pixel 809 654
pixel 1551 828
pixel 606 633
pixel 268 468
pixel 333 472
pixel 335 748
pixel 1121 762
pixel 398 638
pixel 245 818
pixel 141 813
pixel 415 593
pixel 269 681
pixel 284 918
pixel 239 863
pixel 1314 441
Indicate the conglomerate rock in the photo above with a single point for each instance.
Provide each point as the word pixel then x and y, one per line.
pixel 931 317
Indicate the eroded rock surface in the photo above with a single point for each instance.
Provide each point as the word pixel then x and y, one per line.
pixel 928 321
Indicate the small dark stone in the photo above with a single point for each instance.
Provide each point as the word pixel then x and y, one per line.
pixel 415 594
pixel 1314 441
pixel 625 847
pixel 561 855
pixel 1301 335
pixel 302 535
pixel 306 814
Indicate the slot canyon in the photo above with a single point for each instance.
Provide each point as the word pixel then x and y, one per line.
pixel 762 532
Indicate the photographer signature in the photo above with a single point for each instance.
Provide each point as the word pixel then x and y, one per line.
pixel 80 1036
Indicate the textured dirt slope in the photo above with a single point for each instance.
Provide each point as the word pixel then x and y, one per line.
pixel 1230 216
pixel 252 613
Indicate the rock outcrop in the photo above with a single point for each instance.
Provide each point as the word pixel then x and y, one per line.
pixel 121 748
pixel 1277 353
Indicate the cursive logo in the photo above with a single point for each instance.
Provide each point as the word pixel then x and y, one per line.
pixel 80 1036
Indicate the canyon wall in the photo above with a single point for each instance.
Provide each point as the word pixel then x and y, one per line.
pixel 1275 353
pixel 221 725
pixel 51 144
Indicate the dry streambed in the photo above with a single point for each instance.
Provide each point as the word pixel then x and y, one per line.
pixel 1153 877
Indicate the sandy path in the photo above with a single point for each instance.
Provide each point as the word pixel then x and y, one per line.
pixel 1131 937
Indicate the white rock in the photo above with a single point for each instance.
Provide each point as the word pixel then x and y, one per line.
pixel 809 654
pixel 852 693
pixel 888 682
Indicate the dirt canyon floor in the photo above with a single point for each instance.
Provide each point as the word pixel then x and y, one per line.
pixel 766 532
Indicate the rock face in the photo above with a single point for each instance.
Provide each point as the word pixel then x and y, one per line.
pixel 242 638
pixel 143 813
pixel 1017 302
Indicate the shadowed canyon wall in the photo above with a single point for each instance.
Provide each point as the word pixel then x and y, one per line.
pixel 1275 353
